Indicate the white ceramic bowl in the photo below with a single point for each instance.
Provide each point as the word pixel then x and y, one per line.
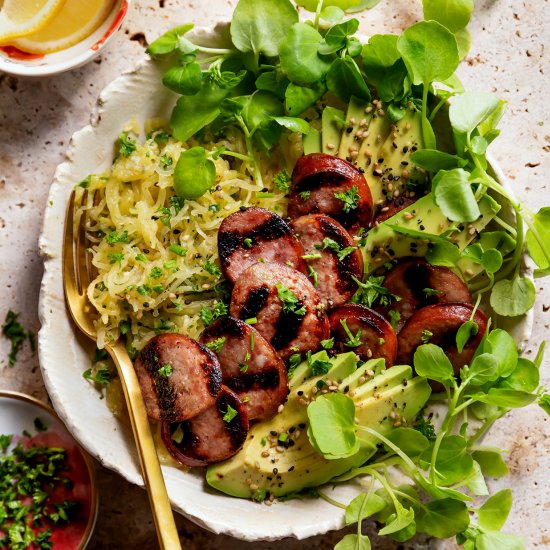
pixel 14 62
pixel 63 357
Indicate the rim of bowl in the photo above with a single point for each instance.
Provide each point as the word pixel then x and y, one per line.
pixel 93 43
pixel 94 502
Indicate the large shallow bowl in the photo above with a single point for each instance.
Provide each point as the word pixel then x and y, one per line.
pixel 63 358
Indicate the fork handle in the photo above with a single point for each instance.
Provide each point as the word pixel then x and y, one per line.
pixel 150 466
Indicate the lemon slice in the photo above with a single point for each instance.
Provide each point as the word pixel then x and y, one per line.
pixel 20 17
pixel 76 20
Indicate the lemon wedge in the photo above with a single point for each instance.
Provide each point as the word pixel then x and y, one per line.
pixel 76 20
pixel 20 17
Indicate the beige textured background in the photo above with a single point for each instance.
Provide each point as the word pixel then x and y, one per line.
pixel 37 118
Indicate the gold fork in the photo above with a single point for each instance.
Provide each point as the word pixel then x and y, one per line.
pixel 76 278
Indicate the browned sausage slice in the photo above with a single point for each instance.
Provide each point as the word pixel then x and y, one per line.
pixel 250 366
pixel 286 306
pixel 371 335
pixel 420 284
pixel 252 234
pixel 438 324
pixel 179 377
pixel 332 276
pixel 316 179
pixel 211 436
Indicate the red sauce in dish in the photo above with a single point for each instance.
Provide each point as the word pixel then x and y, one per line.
pixel 15 53
pixel 113 28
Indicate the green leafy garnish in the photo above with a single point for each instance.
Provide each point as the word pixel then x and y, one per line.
pixel 16 334
pixel 291 303
pixel 350 199
pixel 230 414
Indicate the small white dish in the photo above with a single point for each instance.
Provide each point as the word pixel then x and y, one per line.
pixel 18 416
pixel 14 61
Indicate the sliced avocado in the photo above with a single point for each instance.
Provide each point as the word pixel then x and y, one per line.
pixel 378 130
pixel 357 122
pixel 267 464
pixel 332 123
pixel 383 244
pixel 312 142
pixel 371 368
pixel 391 170
pixel 342 366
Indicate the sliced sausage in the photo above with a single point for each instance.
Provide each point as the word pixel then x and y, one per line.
pixel 438 324
pixel 179 377
pixel 332 277
pixel 211 436
pixel 375 336
pixel 256 233
pixel 391 207
pixel 316 179
pixel 295 324
pixel 419 284
pixel 250 366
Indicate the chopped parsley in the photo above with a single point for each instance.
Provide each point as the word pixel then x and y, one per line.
pixel 426 335
pixel 127 145
pixel 304 195
pixel 328 244
pixel 429 292
pixel 291 303
pixel 313 275
pixel 395 317
pixel 350 198
pixel 115 257
pixel 372 291
pixel 141 257
pixel 293 361
pixel 116 237
pixel 282 181
pixel 318 366
pixel 230 414
pixel 85 183
pixel 161 137
pixel 345 252
pixel 217 344
pixel 166 161
pixel 311 256
pixel 101 376
pixel 212 268
pixel 248 242
pixel 177 435
pixel 166 370
pixel 16 334
pixel 208 316
pixel 251 320
pixel 352 341
pixel 328 343
pixel 178 250
pixel 155 273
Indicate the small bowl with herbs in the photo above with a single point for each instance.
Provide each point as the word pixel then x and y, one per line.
pixel 47 482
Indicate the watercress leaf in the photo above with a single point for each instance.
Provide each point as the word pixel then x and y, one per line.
pixel 443 253
pixel 186 79
pixel 464 42
pixel 484 368
pixel 379 54
pixel 491 260
pixel 225 79
pixel 476 482
pixel 428 134
pixel 504 348
pixel 470 109
pixel 500 240
pixel 539 250
pixel 495 540
pixel 453 462
pixel 434 160
pixel 194 173
pixel 439 492
pixel 273 81
pixel 395 83
pixel 259 26
pixel 410 441
pixel 443 518
pixel 431 362
pixel 506 398
pixel 168 42
pixel 453 14
pixel 479 145
pixel 544 403
pixel 299 58
pixel 404 534
pixel 336 37
pixel 345 80
pixel 453 194
pixel 293 124
pixel 491 463
pixel 300 98
pixel 464 333
pixel 354 46
pixel 494 512
pixel 333 14
pixel 364 506
pixel 511 298
pixel 192 113
pixel 400 520
pixel 332 425
pixel 347 5
pixel 260 108
pixel 430 52
pixel 354 542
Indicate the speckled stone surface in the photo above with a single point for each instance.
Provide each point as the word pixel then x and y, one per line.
pixel 37 118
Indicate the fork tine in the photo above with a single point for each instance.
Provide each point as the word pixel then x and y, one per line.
pixel 68 249
pixel 81 264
